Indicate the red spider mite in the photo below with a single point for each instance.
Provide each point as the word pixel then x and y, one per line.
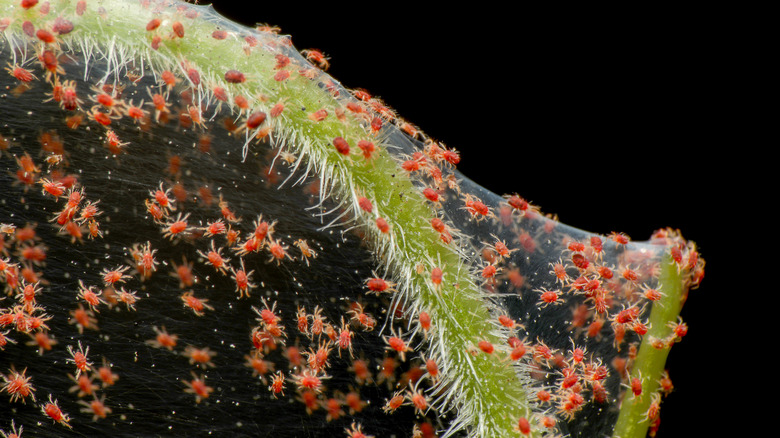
pixel 303 320
pixel 194 76
pixel 549 297
pixel 378 285
pixel 96 407
pixel 282 75
pixel 219 34
pixel 243 280
pixel 417 399
pixel 200 356
pixel 198 305
pixel 368 149
pixel 198 387
pixel 153 24
pixel 267 314
pixel 277 384
pixel 341 146
pixel 79 358
pixel 437 275
pixel 234 77
pixel 277 109
pixel 53 188
pixel 382 224
pixel 28 28
pixel 619 238
pixel 215 259
pixel 365 204
pixel 113 276
pixel 507 322
pixel 241 102
pixel 178 29
pixel 580 261
pixel 345 338
pixel 309 379
pixel 319 115
pixel 53 411
pixel 486 347
pixel 163 339
pixel 278 251
pixel 90 296
pixel 17 386
pixel 523 426
pixel 317 58
pixel 27 4
pixel 21 74
pixel 176 227
pixel 489 271
pixel 255 120
pixel 397 344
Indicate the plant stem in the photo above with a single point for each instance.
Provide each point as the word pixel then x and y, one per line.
pixel 650 361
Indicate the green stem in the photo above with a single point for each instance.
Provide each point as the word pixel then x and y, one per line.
pixel 650 361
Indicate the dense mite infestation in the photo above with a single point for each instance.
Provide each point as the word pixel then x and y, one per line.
pixel 199 226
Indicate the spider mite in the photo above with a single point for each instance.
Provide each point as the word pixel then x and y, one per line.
pixel 476 207
pixel 18 386
pixel 113 276
pixel 215 259
pixel 267 314
pixel 368 149
pixel 523 426
pixel 176 227
pixel 363 319
pixel 309 379
pixel 319 115
pixel 79 358
pixel 105 374
pixel 90 296
pixel 277 384
pixel 21 74
pixel 178 29
pixel 417 399
pixel 235 77
pixel 318 360
pixel 198 387
pixel 198 305
pixel 163 339
pixel 40 339
pixel 317 58
pixel 143 257
pixel 53 411
pixel 200 356
pixel 395 402
pixel 278 251
pixel 317 321
pixel 341 146
pixel 378 285
pixel 242 279
pixel 127 297
pixel 259 366
pixel 97 407
pixel 382 225
pixel 306 251
pixel 227 213
pixel 396 343
pixel 345 338
pixel 303 320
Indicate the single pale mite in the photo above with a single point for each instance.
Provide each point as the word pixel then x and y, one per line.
pixel 110 142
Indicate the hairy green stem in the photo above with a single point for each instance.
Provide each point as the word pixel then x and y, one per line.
pixel 650 360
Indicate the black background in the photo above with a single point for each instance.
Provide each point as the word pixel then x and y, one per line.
pixel 613 120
